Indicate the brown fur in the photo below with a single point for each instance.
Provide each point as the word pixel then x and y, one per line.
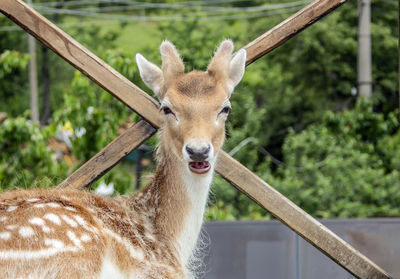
pixel 195 83
pixel 99 213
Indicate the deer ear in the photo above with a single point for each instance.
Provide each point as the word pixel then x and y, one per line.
pixel 172 64
pixel 236 69
pixel 225 68
pixel 151 75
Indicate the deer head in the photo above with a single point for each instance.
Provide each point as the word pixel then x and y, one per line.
pixel 195 104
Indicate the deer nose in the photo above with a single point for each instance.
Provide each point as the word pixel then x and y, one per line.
pixel 198 154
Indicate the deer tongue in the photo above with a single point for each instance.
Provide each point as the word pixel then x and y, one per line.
pixel 199 167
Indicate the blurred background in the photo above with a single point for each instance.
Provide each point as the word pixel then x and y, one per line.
pixel 299 119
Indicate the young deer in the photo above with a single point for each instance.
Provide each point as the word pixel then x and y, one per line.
pixel 76 234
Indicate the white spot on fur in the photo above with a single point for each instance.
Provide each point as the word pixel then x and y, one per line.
pixel 33 200
pixel 11 227
pixel 39 205
pixel 70 208
pixel 53 218
pixel 54 243
pixel 46 229
pixel 69 221
pixel 75 240
pixel 40 222
pixel 11 208
pixel 5 235
pixel 82 222
pixel 85 237
pixel 53 205
pixel 26 231
pixel 37 221
pixel 3 218
pixel 29 255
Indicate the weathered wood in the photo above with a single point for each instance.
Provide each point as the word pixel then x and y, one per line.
pixel 298 220
pixel 82 59
pixel 289 27
pixel 109 156
pixel 230 169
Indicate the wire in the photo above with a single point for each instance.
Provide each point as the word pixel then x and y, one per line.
pixel 174 6
pixel 86 23
pixel 241 144
pixel 119 18
pixel 180 17
pixel 141 5
pixel 91 2
pixel 266 153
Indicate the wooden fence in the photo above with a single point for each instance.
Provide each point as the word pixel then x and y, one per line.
pixel 230 169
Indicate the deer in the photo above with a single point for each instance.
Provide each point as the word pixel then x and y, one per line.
pixel 64 233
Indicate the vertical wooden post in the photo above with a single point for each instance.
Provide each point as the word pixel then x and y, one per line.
pixel 364 76
pixel 33 77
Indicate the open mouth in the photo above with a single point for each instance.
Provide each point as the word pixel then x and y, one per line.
pixel 199 167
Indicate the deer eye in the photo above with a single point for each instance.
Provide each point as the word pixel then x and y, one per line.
pixel 166 110
pixel 226 110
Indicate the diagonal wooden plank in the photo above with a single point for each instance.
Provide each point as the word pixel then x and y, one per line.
pixel 242 178
pixel 109 156
pixel 297 219
pixel 289 27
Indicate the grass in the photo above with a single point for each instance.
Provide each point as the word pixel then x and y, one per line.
pixel 135 36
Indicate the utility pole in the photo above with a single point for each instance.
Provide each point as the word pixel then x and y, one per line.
pixel 33 77
pixel 364 78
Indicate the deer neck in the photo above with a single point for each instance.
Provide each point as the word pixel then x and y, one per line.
pixel 178 199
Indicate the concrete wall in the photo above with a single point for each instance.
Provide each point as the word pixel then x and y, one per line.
pixel 258 250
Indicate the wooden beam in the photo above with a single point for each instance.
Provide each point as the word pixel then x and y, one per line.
pixel 289 27
pixel 230 169
pixel 109 156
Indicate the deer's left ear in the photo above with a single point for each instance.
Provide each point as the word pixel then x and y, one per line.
pixel 225 68
pixel 236 69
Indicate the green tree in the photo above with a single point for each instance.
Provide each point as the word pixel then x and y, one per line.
pixel 343 166
pixel 25 160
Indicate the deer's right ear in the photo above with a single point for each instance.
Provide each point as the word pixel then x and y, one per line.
pixel 151 75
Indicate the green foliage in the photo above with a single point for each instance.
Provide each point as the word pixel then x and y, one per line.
pixel 11 61
pixel 344 166
pixel 93 112
pixel 295 85
pixel 13 64
pixel 25 160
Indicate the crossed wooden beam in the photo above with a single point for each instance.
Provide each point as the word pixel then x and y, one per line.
pixel 230 169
